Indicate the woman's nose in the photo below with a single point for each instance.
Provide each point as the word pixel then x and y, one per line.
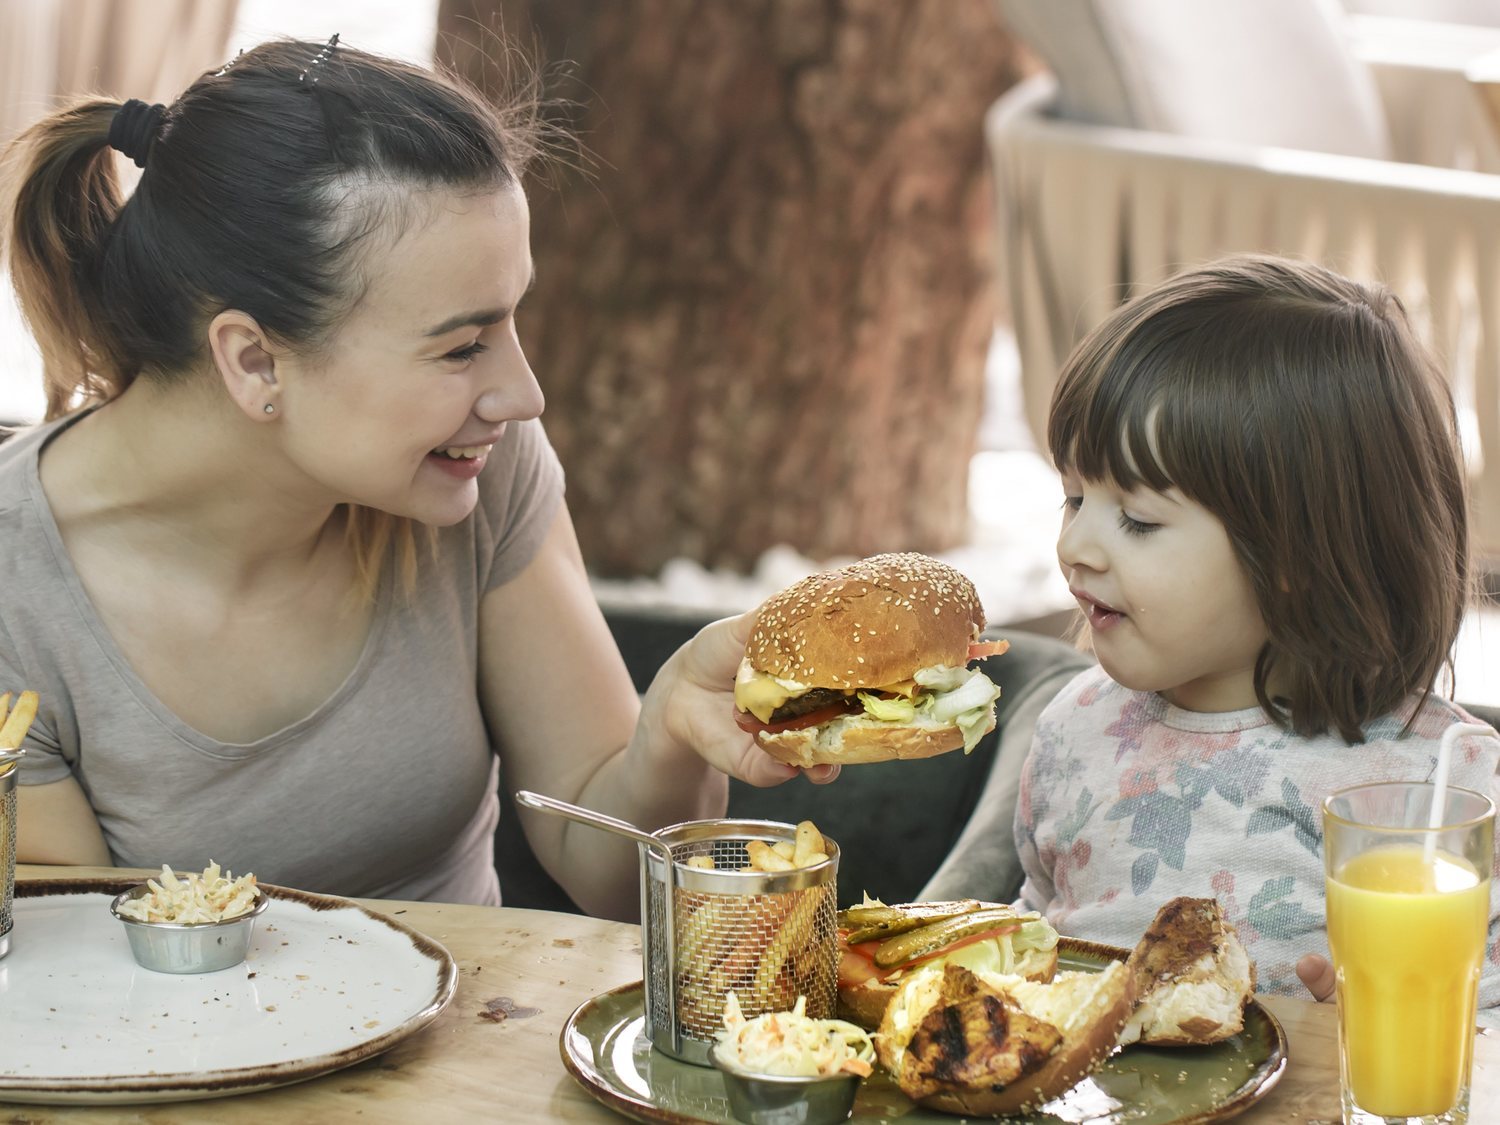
pixel 512 392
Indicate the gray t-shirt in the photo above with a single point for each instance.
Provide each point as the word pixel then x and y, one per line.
pixel 387 790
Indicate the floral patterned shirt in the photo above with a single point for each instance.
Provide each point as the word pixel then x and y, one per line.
pixel 1127 801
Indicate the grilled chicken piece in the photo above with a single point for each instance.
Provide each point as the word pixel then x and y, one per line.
pixel 973 1038
pixel 983 1044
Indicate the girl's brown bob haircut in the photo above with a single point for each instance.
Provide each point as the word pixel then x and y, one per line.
pixel 1298 408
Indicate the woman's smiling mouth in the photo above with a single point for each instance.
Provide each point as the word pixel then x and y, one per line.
pixel 462 461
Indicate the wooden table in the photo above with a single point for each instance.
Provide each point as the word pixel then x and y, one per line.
pixel 467 1067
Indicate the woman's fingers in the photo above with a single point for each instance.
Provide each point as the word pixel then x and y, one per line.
pixel 1317 974
pixel 700 706
pixel 712 657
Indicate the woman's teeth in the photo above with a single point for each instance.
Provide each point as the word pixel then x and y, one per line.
pixel 471 451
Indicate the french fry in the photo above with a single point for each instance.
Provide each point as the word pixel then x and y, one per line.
pixel 798 924
pixel 702 862
pixel 763 857
pixel 4 707
pixel 785 849
pixel 809 840
pixel 18 722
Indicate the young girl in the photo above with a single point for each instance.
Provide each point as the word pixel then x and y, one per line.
pixel 1264 527
pixel 289 563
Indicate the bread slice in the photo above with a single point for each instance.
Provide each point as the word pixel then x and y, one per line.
pixel 857 738
pixel 983 1044
pixel 1192 977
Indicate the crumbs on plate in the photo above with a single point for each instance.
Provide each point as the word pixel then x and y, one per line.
pixel 192 898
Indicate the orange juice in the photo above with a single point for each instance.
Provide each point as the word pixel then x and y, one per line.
pixel 1408 939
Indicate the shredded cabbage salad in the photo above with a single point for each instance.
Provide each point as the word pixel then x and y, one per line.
pixel 792 1044
pixel 192 898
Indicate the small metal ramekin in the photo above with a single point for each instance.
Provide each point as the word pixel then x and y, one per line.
pixel 776 1099
pixel 188 947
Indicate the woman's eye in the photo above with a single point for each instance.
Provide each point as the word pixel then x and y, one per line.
pixel 463 355
pixel 1131 526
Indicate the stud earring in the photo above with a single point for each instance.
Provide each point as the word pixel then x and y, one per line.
pixel 270 408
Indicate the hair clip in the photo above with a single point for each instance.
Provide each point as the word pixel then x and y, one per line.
pixel 223 70
pixel 321 57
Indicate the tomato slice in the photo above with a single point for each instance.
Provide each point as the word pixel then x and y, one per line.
pixel 855 969
pixel 749 722
pixel 981 649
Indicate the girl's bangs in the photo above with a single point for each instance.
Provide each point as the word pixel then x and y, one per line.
pixel 1109 427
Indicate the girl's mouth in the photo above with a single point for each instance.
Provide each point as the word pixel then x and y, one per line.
pixel 1101 615
pixel 462 461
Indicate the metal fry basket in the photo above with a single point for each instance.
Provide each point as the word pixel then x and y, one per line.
pixel 769 937
pixel 9 768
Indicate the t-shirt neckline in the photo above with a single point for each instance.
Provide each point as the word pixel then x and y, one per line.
pixel 84 606
pixel 1207 722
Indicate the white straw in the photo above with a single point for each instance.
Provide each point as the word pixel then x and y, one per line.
pixel 1440 781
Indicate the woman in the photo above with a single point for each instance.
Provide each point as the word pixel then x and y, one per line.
pixel 289 562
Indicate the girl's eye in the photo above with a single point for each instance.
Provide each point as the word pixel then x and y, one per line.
pixel 463 355
pixel 1136 527
pixel 1072 503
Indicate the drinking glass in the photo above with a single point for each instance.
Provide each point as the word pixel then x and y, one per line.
pixel 1408 912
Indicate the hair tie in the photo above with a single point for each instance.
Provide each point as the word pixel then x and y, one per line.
pixel 135 127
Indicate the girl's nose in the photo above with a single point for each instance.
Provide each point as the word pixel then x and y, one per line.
pixel 1078 545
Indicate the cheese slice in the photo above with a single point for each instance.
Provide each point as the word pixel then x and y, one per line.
pixel 762 694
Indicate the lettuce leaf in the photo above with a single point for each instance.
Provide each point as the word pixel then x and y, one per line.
pixel 888 710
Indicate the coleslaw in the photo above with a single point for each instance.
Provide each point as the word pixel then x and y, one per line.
pixel 193 899
pixel 792 1044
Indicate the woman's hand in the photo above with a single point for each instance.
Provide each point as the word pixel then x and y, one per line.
pixel 691 704
pixel 1317 974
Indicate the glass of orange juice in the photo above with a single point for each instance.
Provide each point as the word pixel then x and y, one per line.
pixel 1408 911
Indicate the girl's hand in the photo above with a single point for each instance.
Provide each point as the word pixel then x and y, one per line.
pixel 1317 974
pixel 691 703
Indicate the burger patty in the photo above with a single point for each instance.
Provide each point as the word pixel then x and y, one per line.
pixel 814 700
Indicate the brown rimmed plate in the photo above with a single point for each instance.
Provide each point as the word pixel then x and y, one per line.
pixel 326 984
pixel 604 1047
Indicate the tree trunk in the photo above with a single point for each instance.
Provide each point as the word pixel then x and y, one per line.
pixel 764 318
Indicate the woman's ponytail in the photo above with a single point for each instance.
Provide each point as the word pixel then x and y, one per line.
pixel 61 195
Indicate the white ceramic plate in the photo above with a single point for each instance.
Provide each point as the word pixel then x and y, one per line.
pixel 326 983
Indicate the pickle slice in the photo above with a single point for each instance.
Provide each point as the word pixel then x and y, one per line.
pixel 866 923
pixel 930 938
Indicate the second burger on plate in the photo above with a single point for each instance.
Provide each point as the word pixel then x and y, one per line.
pixel 868 663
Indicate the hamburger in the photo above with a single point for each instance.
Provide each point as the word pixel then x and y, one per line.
pixel 868 663
pixel 881 947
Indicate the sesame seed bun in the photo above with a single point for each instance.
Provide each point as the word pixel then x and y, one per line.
pixel 869 624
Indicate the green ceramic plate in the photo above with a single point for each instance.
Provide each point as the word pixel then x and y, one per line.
pixel 604 1046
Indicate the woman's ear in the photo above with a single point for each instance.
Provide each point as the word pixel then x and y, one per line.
pixel 245 362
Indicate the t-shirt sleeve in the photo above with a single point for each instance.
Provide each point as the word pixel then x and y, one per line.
pixel 44 761
pixel 520 493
